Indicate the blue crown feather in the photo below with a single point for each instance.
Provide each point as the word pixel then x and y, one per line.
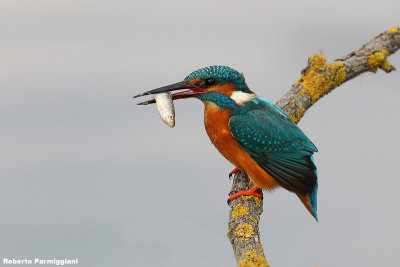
pixel 223 74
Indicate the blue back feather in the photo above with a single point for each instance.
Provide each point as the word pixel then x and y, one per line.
pixel 275 142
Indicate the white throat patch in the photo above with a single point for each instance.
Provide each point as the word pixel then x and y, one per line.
pixel 241 97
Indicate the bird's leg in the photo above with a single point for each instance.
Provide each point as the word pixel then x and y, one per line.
pixel 233 172
pixel 251 191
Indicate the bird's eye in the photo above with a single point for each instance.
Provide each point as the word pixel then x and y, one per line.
pixel 210 82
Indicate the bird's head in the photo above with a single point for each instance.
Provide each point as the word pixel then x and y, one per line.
pixel 207 81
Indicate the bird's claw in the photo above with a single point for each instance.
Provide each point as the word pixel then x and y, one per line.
pixel 249 192
pixel 233 172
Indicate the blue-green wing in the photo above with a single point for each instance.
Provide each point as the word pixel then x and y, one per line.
pixel 276 144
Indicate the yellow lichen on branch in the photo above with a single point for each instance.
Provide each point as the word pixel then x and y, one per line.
pixel 298 115
pixel 378 59
pixel 244 231
pixel 261 248
pixel 393 30
pixel 253 259
pixel 252 219
pixel 320 78
pixel 257 200
pixel 239 210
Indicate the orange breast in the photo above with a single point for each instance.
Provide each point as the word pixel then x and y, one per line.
pixel 216 123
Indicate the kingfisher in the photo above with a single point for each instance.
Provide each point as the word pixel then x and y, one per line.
pixel 255 135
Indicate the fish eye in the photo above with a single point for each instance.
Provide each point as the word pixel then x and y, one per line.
pixel 210 82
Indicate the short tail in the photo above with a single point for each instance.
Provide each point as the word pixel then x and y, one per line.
pixel 310 201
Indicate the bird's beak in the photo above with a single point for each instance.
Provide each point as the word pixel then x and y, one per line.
pixel 192 91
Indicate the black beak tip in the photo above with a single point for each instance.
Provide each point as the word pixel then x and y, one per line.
pixel 164 89
pixel 138 95
pixel 151 101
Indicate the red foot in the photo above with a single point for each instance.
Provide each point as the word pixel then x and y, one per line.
pixel 251 191
pixel 233 172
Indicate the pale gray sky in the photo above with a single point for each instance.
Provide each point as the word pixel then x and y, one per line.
pixel 88 174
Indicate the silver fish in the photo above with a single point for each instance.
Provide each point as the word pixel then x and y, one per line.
pixel 166 108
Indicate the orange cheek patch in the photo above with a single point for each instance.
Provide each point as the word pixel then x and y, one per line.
pixel 225 89
pixel 195 81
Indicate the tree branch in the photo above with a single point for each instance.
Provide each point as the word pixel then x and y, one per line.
pixel 317 80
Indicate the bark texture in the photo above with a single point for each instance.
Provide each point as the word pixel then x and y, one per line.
pixel 317 79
